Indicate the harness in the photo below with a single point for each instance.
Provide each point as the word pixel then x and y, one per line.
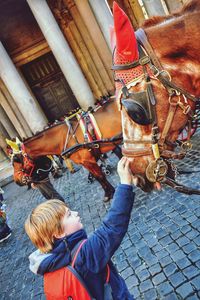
pixel 140 107
pixel 89 126
pixel 91 132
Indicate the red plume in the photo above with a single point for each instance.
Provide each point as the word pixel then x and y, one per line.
pixel 126 44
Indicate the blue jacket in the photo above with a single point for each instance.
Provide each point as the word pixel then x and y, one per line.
pixel 96 251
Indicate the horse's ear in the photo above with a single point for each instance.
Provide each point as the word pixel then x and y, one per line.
pixel 126 44
pixel 112 37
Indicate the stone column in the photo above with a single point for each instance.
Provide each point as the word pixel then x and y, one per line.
pixel 13 112
pixel 7 124
pixel 96 34
pixel 62 52
pixel 23 98
pixel 103 16
pixel 12 116
pixel 154 7
pixel 173 5
pixel 137 11
pixel 3 145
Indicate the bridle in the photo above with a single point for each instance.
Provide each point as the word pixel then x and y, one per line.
pixel 140 107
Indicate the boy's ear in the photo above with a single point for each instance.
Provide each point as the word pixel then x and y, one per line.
pixel 59 236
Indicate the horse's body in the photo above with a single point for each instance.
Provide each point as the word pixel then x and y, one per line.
pixel 175 41
pixel 59 138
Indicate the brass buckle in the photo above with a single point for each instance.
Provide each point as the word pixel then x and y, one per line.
pixel 186 109
pixel 172 100
pixel 144 60
pixel 155 70
pixel 186 146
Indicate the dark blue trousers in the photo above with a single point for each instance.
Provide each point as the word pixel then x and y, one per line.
pixel 48 191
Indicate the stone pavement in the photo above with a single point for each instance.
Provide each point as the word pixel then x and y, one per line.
pixel 159 257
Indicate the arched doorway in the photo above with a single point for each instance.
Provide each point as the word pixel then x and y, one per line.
pixel 49 86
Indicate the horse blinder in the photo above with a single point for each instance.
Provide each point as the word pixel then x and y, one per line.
pixel 137 107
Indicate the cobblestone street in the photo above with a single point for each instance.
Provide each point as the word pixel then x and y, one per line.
pixel 159 257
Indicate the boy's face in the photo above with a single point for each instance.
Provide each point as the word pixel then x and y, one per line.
pixel 71 222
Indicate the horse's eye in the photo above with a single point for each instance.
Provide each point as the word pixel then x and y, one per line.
pixel 136 112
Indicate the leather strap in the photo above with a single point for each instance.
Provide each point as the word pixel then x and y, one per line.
pixel 108 273
pixel 171 113
pixel 77 252
pixel 136 152
pixel 143 40
pixel 80 244
pixel 140 62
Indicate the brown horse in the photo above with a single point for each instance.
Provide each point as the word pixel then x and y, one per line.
pixel 157 74
pixel 69 140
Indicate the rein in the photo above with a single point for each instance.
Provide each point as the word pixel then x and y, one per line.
pixel 91 145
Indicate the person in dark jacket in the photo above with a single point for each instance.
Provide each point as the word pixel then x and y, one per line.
pixel 5 231
pixel 36 173
pixel 55 230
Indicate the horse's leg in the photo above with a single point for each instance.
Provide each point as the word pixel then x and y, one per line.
pixel 96 171
pixel 69 164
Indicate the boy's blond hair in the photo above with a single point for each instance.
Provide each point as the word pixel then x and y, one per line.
pixel 44 223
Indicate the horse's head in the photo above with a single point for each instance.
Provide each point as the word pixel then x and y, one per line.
pixel 24 168
pixel 155 96
pixel 17 162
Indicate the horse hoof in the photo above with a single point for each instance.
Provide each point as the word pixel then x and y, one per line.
pixel 106 199
pixel 75 169
pixel 57 175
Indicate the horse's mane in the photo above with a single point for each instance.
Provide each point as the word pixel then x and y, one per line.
pixel 187 8
pixel 39 133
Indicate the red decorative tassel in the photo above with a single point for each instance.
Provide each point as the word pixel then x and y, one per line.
pixel 126 44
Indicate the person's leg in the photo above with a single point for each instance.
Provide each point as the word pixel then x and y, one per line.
pixel 1 194
pixel 1 197
pixel 5 231
pixel 69 165
pixel 48 191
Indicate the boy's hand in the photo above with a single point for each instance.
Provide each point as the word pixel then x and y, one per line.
pixel 123 169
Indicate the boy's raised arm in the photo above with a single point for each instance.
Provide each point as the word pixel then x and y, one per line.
pixel 102 244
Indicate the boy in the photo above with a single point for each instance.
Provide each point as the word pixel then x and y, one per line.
pixel 55 230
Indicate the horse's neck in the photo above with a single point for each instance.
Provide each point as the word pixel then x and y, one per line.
pixel 176 43
pixel 51 142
